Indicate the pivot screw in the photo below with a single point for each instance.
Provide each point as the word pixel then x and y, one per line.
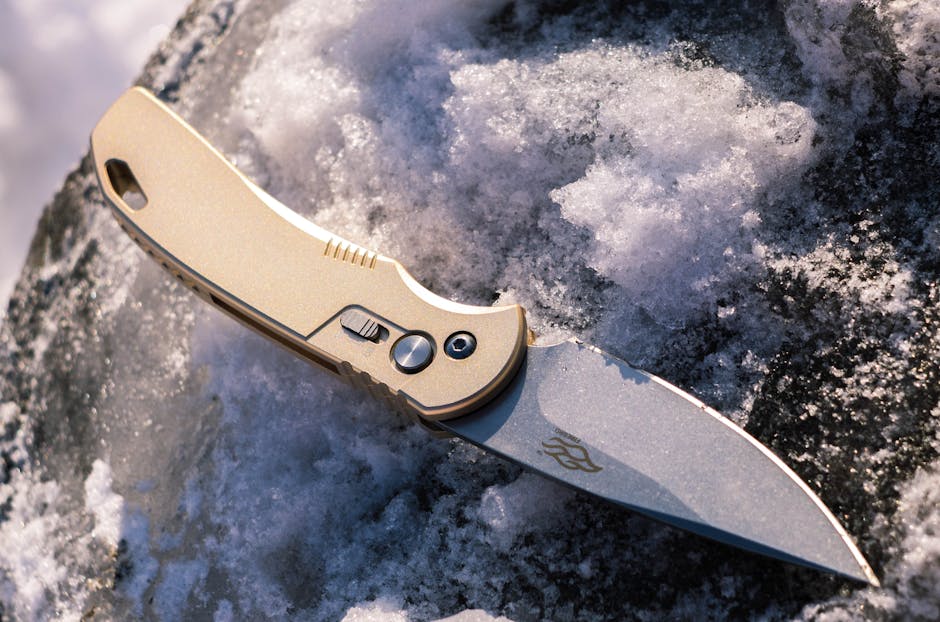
pixel 412 353
pixel 460 345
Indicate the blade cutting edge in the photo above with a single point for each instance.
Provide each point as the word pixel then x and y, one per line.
pixel 589 420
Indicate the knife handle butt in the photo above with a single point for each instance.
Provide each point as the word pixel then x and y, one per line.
pixel 346 308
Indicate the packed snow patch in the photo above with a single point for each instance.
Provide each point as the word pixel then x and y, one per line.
pixel 916 27
pixel 376 611
pixel 106 505
pixel 30 541
pixel 124 529
pixel 519 507
pixel 680 160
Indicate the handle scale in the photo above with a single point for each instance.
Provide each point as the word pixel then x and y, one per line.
pixel 330 301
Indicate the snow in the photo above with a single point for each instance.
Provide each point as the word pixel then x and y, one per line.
pixel 659 186
pixel 37 580
pixel 106 506
pixel 29 544
pixel 916 26
pixel 123 529
pixel 514 509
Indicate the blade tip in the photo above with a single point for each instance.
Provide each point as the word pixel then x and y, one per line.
pixel 870 577
pixel 863 573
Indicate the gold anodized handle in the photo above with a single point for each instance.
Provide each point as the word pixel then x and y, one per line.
pixel 326 299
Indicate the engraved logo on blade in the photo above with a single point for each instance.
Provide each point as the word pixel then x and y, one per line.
pixel 570 455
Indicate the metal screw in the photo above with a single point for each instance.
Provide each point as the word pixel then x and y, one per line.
pixel 412 353
pixel 460 345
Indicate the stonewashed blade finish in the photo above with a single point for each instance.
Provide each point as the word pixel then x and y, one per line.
pixel 567 411
pixel 591 421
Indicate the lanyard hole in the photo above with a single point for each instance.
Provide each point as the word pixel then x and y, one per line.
pixel 125 184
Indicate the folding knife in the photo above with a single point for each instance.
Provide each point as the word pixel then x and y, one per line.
pixel 567 411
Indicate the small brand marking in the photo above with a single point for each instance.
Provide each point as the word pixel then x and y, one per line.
pixel 570 455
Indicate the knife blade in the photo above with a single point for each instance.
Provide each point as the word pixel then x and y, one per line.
pixel 570 411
